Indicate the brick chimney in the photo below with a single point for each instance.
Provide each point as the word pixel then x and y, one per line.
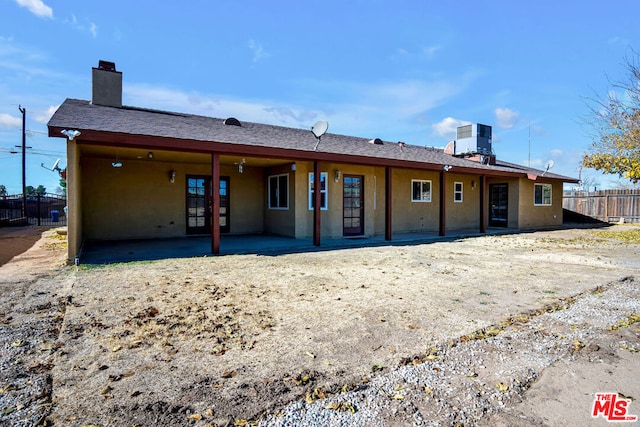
pixel 106 85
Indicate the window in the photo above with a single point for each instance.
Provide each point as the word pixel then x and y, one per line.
pixel 323 191
pixel 457 192
pixel 279 192
pixel 542 195
pixel 420 190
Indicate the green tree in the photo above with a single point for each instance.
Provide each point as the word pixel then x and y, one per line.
pixel 615 121
pixel 3 190
pixel 63 186
pixel 31 191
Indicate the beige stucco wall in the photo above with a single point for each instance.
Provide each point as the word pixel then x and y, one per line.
pixel 531 216
pixel 138 201
pixel 409 216
pixel 134 201
pixel 331 219
pixel 277 221
pixel 247 199
pixel 465 214
pixel 74 200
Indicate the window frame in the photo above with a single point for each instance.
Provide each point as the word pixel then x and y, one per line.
pixel 324 176
pixel 458 192
pixel 421 182
pixel 542 196
pixel 277 206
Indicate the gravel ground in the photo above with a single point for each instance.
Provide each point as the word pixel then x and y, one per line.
pixel 33 288
pixel 511 330
pixel 467 380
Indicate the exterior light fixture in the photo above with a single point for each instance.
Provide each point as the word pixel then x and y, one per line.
pixel 117 163
pixel 172 176
pixel 447 168
pixel 241 164
pixel 150 155
pixel 337 176
pixel 71 134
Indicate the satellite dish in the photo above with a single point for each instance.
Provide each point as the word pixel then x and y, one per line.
pixel 55 166
pixel 320 128
pixel 548 166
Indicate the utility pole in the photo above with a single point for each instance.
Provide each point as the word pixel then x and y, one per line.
pixel 24 155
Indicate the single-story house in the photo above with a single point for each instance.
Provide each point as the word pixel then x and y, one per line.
pixel 137 173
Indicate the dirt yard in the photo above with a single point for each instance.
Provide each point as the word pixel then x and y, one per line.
pixel 314 338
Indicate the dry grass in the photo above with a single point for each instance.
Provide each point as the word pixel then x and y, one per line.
pixel 237 335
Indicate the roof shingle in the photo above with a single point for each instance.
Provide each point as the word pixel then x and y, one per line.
pixel 83 115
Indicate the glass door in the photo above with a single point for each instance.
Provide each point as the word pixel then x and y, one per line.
pixel 498 203
pixel 353 205
pixel 199 204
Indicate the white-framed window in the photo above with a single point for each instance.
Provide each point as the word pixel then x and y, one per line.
pixel 279 192
pixel 542 194
pixel 457 192
pixel 420 190
pixel 324 204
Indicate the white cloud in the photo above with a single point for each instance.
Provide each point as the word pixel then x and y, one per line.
pixel 535 163
pixel 506 118
pixel 448 126
pixel 539 130
pixel 93 29
pixel 7 121
pixel 391 111
pixel 430 51
pixel 37 7
pixel 258 51
pixel 618 40
pixel 556 153
pixel 215 106
pixel 44 115
pixel 87 25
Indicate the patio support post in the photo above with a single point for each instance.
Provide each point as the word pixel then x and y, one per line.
pixel 483 204
pixel 388 208
pixel 215 203
pixel 316 202
pixel 443 208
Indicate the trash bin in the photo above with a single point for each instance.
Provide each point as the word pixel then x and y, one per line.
pixel 55 215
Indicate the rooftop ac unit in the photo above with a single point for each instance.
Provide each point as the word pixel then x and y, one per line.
pixel 473 139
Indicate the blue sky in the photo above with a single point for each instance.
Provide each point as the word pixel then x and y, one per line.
pixel 398 70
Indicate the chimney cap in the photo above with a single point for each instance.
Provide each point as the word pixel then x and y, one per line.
pixel 106 65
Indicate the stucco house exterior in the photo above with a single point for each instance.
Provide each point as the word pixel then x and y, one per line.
pixel 135 173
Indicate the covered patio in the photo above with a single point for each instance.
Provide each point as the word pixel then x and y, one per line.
pixel 117 251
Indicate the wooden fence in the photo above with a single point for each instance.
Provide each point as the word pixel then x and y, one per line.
pixel 604 205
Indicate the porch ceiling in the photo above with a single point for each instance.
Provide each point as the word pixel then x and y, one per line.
pixel 163 156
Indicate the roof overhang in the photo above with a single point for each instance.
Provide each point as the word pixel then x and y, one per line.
pixel 148 142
